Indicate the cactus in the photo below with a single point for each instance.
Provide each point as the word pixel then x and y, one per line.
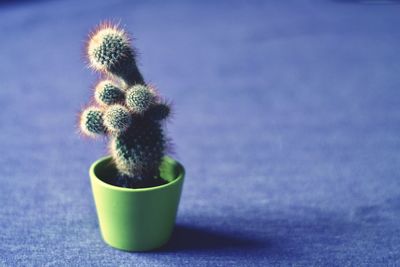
pixel 127 110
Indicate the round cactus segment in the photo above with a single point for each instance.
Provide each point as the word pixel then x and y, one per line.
pixel 139 98
pixel 107 93
pixel 91 122
pixel 117 118
pixel 107 47
pixel 158 112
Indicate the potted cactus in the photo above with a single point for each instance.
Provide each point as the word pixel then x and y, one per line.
pixel 137 189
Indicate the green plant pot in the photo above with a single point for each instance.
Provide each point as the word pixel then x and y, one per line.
pixel 136 219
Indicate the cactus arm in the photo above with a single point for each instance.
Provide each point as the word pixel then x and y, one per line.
pixel 109 51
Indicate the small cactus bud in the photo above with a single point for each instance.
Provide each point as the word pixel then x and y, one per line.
pixel 107 93
pixel 117 118
pixel 139 98
pixel 91 122
pixel 158 112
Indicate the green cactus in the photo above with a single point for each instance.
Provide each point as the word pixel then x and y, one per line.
pixel 130 116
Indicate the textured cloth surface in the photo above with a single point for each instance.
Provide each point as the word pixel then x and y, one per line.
pixel 287 119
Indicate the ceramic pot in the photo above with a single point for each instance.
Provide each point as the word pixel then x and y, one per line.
pixel 136 219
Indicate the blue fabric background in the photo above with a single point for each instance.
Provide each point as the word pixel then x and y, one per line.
pixel 287 119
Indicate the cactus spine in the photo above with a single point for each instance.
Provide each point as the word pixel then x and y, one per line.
pixel 127 110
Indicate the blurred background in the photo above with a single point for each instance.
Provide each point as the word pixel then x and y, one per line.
pixel 287 120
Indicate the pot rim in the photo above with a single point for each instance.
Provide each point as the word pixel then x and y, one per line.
pixel 170 160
